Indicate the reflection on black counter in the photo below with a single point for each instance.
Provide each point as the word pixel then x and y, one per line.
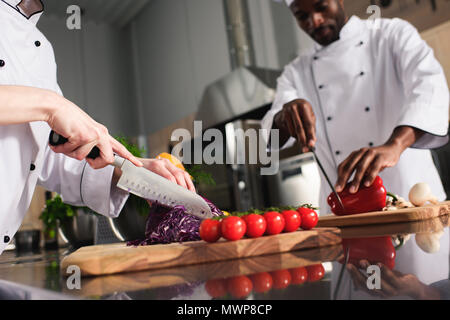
pixel 414 261
pixel 417 269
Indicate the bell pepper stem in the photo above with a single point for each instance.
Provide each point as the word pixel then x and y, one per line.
pixel 402 242
pixel 393 196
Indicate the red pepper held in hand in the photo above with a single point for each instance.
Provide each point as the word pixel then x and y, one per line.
pixel 367 199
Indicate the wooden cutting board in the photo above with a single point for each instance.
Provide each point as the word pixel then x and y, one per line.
pixel 150 279
pixel 117 258
pixel 385 217
pixel 392 229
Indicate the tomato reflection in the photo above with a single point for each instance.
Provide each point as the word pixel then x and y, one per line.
pixel 281 279
pixel 315 272
pixel 262 282
pixel 299 275
pixel 216 288
pixel 240 287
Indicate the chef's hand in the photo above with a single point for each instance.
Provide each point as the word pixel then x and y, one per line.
pixel 393 283
pixel 367 163
pixel 83 133
pixel 300 121
pixel 166 169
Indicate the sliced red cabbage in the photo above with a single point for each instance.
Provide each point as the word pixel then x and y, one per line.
pixel 168 225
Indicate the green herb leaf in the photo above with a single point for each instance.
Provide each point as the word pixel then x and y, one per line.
pixel 131 147
pixel 200 176
pixel 54 211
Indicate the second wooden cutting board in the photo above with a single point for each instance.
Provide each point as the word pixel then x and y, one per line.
pixel 117 258
pixel 384 217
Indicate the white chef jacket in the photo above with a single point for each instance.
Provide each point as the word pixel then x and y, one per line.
pixel 361 88
pixel 27 59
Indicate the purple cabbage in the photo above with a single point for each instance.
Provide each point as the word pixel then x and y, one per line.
pixel 177 291
pixel 167 225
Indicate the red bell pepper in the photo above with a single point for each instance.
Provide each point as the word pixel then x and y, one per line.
pixel 375 250
pixel 367 199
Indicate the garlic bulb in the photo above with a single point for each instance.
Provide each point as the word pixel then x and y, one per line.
pixel 429 242
pixel 420 194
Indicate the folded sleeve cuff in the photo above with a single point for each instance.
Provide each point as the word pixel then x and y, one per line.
pixel 433 122
pixel 431 141
pixel 99 195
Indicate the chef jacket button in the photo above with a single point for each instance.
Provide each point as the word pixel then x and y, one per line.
pixel 338 153
pixel 329 118
pixel 361 43
pixel 37 43
pixel 321 86
pixel 2 63
pixel 371 144
pixel 316 58
pixel 367 109
pixel 362 73
pixel 32 167
pixel 6 239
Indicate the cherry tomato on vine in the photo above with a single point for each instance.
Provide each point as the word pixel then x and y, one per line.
pixel 275 222
pixel 299 275
pixel 210 230
pixel 262 282
pixel 281 279
pixel 239 287
pixel 309 218
pixel 233 228
pixel 292 220
pixel 315 272
pixel 256 225
pixel 216 288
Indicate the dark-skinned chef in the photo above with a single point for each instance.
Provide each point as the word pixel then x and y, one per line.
pixel 370 96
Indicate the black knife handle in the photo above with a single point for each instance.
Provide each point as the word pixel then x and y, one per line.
pixel 57 140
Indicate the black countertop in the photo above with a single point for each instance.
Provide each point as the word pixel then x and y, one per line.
pixel 417 269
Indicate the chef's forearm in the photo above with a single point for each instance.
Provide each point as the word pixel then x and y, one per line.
pixel 21 104
pixel 404 137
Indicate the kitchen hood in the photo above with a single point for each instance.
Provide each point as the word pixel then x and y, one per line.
pixel 237 93
pixel 246 87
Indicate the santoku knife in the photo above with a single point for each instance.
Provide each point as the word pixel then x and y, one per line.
pixel 151 186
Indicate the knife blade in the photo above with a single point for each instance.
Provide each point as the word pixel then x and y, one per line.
pixel 149 185
pixel 153 187
pixel 313 150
